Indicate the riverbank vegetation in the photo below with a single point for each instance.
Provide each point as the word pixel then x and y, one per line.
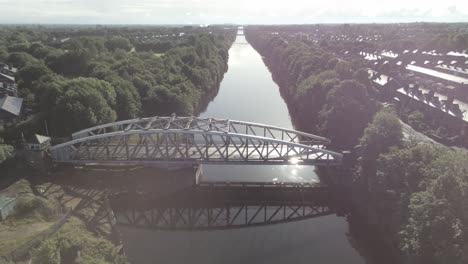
pixel 33 233
pixel 6 151
pixel 32 215
pixel 411 195
pixel 72 238
pixel 324 94
pixel 84 77
pixel 414 194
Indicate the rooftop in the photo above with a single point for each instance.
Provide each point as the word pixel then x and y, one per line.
pixel 39 139
pixel 6 76
pixel 11 104
pixel 441 75
pixel 4 201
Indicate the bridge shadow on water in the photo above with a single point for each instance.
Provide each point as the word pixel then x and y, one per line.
pixel 219 208
pixel 170 200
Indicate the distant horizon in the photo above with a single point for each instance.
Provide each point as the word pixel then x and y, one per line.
pixel 227 24
pixel 259 12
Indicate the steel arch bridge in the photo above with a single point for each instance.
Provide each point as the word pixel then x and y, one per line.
pixel 193 140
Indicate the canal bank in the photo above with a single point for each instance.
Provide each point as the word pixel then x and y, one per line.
pixel 249 93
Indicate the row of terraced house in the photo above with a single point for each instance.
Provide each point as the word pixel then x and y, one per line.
pixel 11 105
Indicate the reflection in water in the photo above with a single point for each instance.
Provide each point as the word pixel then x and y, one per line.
pixel 248 93
pixel 259 173
pixel 226 216
pixel 319 240
pixel 206 208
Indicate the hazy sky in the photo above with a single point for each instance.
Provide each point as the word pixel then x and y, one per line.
pixel 230 11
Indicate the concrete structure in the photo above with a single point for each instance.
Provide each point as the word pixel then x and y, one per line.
pixel 7 207
pixel 38 143
pixel 36 151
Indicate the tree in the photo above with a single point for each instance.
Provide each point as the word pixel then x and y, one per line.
pixel 416 120
pixel 3 53
pixel 118 43
pixel 71 105
pixel 128 104
pixel 73 63
pixel 20 59
pixel 19 47
pixel 344 69
pixel 438 219
pixel 32 72
pixel 384 132
pixel 347 112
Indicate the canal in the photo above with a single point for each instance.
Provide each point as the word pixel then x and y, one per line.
pixel 248 93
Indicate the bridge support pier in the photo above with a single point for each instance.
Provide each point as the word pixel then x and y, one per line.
pixel 198 174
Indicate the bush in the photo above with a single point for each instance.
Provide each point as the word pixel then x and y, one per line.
pixel 416 120
pixel 36 207
pixel 384 132
pixel 6 152
pixel 72 234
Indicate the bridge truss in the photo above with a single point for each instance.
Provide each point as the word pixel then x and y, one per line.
pixel 193 140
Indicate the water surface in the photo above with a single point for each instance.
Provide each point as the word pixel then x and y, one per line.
pixel 248 93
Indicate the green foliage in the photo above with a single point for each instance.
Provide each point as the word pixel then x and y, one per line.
pixel 31 73
pixel 19 47
pixel 37 208
pixel 384 132
pixel 20 59
pixel 74 79
pixel 77 103
pixel 437 224
pixel 318 87
pixel 6 151
pixel 73 63
pixel 74 233
pixel 347 112
pixel 118 43
pixel 3 53
pixel 417 198
pixel 416 120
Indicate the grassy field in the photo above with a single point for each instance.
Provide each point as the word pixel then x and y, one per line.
pixel 40 204
pixel 74 233
pixel 20 233
pixel 32 215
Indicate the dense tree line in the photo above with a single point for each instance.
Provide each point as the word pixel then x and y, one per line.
pixel 415 194
pixel 94 76
pixel 326 95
